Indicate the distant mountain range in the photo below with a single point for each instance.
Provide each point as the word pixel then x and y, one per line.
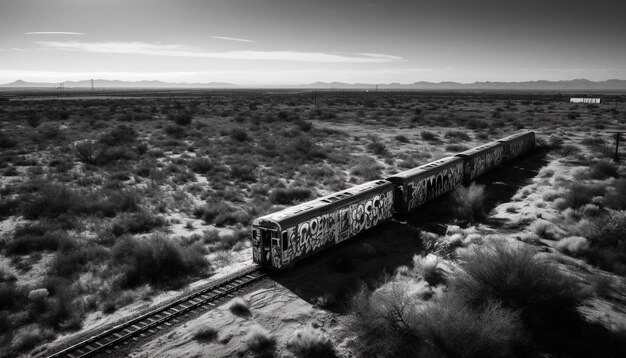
pixel 570 85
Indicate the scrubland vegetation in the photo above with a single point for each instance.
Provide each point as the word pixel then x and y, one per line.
pixel 106 202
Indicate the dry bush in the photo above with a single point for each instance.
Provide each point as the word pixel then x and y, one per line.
pixel 30 336
pixel 310 343
pixel 606 240
pixel 201 165
pixel 366 168
pixel 546 230
pixel 428 268
pixel 376 146
pixel 580 194
pixel 142 221
pixel 470 202
pixel 260 342
pixel 456 330
pixel 157 260
pixel 456 148
pixel 239 307
pixel 429 136
pixel 396 323
pixel 520 281
pixel 572 245
pixel 289 196
pixel 206 334
pixel 603 169
pixel 616 195
pixel 38 237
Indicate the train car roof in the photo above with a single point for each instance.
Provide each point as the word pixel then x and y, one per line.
pixel 479 149
pixel 288 216
pixel 424 170
pixel 515 136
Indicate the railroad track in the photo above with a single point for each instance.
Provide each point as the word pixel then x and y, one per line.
pixel 166 315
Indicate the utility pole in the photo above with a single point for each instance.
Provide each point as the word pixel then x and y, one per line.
pixel 315 98
pixel 618 134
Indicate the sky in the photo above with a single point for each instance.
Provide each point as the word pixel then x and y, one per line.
pixel 273 42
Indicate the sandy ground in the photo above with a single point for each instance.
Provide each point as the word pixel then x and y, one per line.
pixel 275 309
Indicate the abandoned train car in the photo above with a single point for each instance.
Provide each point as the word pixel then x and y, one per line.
pixel 518 144
pixel 281 238
pixel 284 237
pixel 479 160
pixel 416 186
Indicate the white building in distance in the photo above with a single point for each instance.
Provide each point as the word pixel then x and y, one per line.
pixel 585 100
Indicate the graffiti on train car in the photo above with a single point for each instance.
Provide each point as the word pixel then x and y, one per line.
pixel 371 212
pixel 484 162
pixel 432 186
pixel 328 228
pixel 519 146
pixel 276 262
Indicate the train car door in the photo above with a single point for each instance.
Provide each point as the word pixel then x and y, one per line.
pixel 267 236
pixel 344 224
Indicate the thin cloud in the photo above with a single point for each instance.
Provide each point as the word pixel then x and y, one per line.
pixel 142 48
pixel 230 39
pixel 53 33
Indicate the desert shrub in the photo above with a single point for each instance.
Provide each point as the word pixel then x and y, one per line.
pixel 367 168
pixel 475 123
pixel 201 165
pixel 546 230
pixel 397 323
pixel 239 134
pixel 157 260
pixel 303 148
pixel 232 218
pixel 310 343
pixel 603 169
pixel 12 296
pixel 6 141
pixel 244 172
pixel 239 307
pixel 456 330
pixel 520 281
pixel 38 237
pixel 470 202
pixel 573 245
pixel 260 342
pixel 29 336
pixel 67 263
pixel 456 148
pixel 305 126
pixel 428 268
pixel 88 152
pixel 457 135
pixel 142 221
pixel 615 198
pixel 120 135
pixel 289 196
pixel 567 150
pixel 580 194
pixel 376 146
pixel 429 136
pixel 51 201
pixel 175 131
pixel 205 334
pixel 402 138
pixel 9 207
pixel 182 119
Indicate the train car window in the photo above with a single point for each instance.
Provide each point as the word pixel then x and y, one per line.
pixel 285 241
